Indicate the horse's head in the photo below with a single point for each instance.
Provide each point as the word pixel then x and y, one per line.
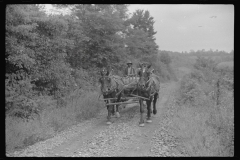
pixel 104 72
pixel 105 81
pixel 144 75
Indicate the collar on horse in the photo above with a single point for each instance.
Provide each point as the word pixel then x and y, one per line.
pixel 149 86
pixel 113 88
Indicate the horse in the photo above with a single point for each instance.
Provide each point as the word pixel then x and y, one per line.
pixel 110 88
pixel 148 87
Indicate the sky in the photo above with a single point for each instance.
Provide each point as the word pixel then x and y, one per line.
pixel 185 27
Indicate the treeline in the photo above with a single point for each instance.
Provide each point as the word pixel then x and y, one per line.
pixel 209 52
pixel 202 52
pixel 187 59
pixel 52 55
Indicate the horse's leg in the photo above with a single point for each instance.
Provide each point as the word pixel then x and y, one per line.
pixel 154 103
pixel 109 114
pixel 148 102
pixel 113 110
pixel 117 106
pixel 117 111
pixel 141 123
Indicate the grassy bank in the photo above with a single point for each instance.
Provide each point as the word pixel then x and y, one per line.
pixel 206 130
pixel 52 119
pixel 204 121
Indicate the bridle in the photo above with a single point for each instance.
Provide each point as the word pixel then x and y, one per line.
pixel 112 88
pixel 143 71
pixel 149 86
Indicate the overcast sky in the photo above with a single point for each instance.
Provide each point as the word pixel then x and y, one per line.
pixel 183 27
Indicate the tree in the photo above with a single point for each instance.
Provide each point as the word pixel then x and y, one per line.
pixel 35 54
pixel 165 58
pixel 46 54
pixel 100 24
pixel 19 55
pixel 143 21
pixel 205 64
pixel 140 34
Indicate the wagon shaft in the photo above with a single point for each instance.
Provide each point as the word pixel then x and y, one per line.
pixel 140 97
pixel 107 99
pixel 123 98
pixel 128 98
pixel 121 103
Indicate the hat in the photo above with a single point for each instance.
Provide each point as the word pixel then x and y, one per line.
pixel 146 63
pixel 129 62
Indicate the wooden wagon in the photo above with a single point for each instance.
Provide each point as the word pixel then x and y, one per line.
pixel 125 99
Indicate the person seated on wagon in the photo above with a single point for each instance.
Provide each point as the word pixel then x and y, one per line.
pixel 129 71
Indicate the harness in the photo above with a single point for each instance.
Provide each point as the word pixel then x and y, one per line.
pixel 112 89
pixel 150 87
pixel 115 88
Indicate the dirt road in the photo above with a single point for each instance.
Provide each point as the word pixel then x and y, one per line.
pixel 122 138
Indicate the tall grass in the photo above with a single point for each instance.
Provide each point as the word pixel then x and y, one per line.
pixel 204 127
pixel 206 130
pixel 52 119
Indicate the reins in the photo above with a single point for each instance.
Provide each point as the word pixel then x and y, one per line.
pixel 150 78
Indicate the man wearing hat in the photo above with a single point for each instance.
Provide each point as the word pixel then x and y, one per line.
pixel 129 71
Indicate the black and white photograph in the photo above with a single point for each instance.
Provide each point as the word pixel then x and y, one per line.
pixel 119 80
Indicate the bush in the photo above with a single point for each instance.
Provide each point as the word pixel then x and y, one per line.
pixel 195 136
pixel 207 130
pixel 213 131
pixel 51 119
pixel 222 120
pixel 164 71
pixel 87 106
pixel 197 75
pixel 20 133
pixel 190 91
pixel 225 65
pixel 165 58
pixel 204 63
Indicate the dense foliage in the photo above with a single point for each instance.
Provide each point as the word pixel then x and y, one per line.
pixel 210 90
pixel 208 79
pixel 52 55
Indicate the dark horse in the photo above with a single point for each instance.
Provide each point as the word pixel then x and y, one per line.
pixel 148 87
pixel 111 85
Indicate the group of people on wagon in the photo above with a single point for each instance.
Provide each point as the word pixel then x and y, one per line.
pixel 130 71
